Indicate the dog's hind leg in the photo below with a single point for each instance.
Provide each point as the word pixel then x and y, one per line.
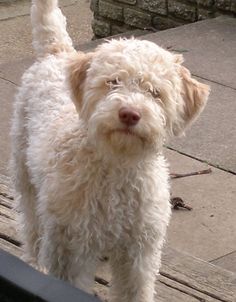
pixel 25 199
pixel 24 191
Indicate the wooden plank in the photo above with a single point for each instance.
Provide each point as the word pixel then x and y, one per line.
pixel 10 248
pixel 183 278
pixel 8 230
pixel 6 196
pixel 164 294
pixel 8 213
pixel 5 187
pixel 8 227
pixel 8 216
pixel 167 289
pixel 6 202
pixel 199 275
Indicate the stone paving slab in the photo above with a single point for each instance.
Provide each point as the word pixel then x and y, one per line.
pixel 7 91
pixel 208 231
pixel 15 31
pixel 208 47
pixel 14 9
pixel 227 262
pixel 13 70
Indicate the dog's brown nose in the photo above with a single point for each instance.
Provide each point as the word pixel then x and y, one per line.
pixel 129 116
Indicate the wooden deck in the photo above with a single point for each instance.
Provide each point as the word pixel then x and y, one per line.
pixel 183 278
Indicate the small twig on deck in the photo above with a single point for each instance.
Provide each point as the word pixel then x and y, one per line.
pixel 176 175
pixel 178 202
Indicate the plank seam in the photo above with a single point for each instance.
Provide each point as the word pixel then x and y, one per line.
pixel 11 240
pixel 185 292
pixel 194 287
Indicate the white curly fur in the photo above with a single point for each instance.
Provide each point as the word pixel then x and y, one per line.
pixel 86 184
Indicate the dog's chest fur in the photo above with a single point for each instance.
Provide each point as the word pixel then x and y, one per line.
pixel 108 205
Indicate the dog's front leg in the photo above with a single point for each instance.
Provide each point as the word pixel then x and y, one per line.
pixel 63 255
pixel 134 276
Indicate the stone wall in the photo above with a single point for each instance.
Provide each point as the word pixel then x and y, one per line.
pixel 113 17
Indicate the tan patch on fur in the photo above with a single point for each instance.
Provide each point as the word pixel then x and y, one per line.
pixel 101 91
pixel 59 48
pixel 178 58
pixel 77 74
pixel 194 93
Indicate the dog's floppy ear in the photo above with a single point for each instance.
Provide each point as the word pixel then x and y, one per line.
pixel 78 68
pixel 194 95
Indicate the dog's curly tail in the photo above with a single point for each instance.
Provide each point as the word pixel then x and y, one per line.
pixel 49 28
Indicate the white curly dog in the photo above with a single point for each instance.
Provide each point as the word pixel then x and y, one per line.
pixel 87 135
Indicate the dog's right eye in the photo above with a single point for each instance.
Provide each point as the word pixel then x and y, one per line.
pixel 155 93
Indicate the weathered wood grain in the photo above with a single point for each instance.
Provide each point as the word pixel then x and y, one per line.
pixel 10 248
pixel 8 230
pixel 8 213
pixel 6 196
pixel 6 202
pixel 5 186
pixel 183 278
pixel 165 294
pixel 167 289
pixel 199 275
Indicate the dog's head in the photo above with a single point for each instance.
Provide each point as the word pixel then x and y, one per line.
pixel 133 94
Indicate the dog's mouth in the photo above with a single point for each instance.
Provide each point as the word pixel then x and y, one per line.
pixel 127 135
pixel 125 141
pixel 126 132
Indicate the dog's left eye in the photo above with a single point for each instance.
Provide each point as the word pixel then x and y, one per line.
pixel 112 83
